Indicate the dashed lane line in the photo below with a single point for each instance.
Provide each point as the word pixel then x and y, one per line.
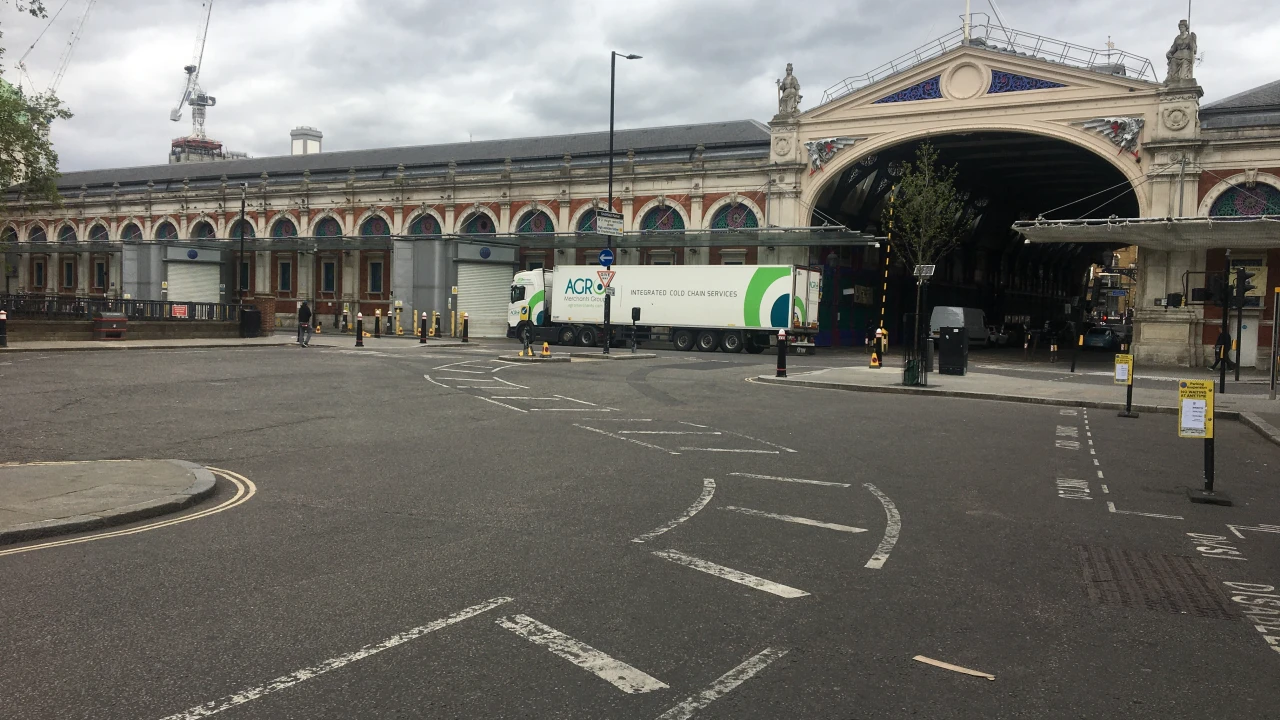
pixel 733 450
pixel 795 519
pixel 790 479
pixel 728 573
pixel 623 437
pixel 708 489
pixel 287 681
pixel 619 674
pixel 893 527
pixel 724 684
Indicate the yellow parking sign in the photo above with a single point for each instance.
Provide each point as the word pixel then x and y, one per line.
pixel 1195 409
pixel 1124 370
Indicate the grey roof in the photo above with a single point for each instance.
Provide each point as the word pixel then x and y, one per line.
pixel 1258 107
pixel 721 136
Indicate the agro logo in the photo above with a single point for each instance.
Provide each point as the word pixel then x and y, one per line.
pixel 583 286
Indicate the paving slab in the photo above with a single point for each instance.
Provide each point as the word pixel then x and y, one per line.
pixel 50 498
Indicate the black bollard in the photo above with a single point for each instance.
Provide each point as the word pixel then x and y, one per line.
pixel 422 329
pixel 359 330
pixel 377 323
pixel 436 323
pixel 4 329
pixel 465 330
pixel 782 354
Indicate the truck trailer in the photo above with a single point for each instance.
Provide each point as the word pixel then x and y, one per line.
pixel 708 307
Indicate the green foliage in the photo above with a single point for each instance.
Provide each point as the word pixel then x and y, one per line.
pixel 929 215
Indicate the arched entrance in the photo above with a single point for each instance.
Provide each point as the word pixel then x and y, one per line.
pixel 1003 176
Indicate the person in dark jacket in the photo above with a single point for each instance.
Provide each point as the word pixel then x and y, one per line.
pixel 304 325
pixel 1220 351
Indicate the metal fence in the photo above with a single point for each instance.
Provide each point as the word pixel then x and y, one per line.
pixel 56 307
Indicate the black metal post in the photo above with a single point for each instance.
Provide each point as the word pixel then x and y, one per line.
pixel 782 354
pixel 1076 341
pixel 1208 465
pixel 422 329
pixel 241 281
pixel 377 323
pixel 1275 341
pixel 359 330
pixel 465 331
pixel 4 329
pixel 608 331
pixel 1237 340
pixel 1223 354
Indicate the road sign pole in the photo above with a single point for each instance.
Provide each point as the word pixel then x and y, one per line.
pixel 1195 420
pixel 1124 374
pixel 1237 341
pixel 1223 354
pixel 1275 341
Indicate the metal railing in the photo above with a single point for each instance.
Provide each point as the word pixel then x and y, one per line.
pixel 65 307
pixel 983 34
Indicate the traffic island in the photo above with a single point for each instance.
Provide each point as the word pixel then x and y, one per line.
pixel 54 498
pixel 612 356
pixel 534 358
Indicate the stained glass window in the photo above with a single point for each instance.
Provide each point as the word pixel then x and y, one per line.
pixel 10 235
pixel 235 229
pixel 328 227
pixel 424 224
pixel 1260 199
pixel 131 232
pixel 927 90
pixel 98 233
pixel 734 217
pixel 166 231
pixel 1003 82
pixel 67 234
pixel 284 228
pixel 375 226
pixel 478 224
pixel 662 218
pixel 587 223
pixel 37 235
pixel 203 229
pixel 536 222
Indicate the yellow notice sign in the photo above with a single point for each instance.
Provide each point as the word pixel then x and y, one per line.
pixel 1124 370
pixel 1195 408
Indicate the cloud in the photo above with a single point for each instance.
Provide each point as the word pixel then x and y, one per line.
pixel 377 73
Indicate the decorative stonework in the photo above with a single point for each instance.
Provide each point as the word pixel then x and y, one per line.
pixel 821 151
pixel 782 146
pixel 789 96
pixel 1121 131
pixel 1175 118
pixel 925 90
pixel 1181 57
pixel 1003 82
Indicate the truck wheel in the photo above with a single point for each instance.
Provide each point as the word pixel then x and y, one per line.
pixel 682 340
pixel 566 335
pixel 707 341
pixel 754 345
pixel 587 336
pixel 731 342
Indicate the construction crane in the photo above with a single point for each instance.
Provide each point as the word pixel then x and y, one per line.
pixel 65 60
pixel 192 94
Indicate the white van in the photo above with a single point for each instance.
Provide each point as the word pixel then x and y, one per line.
pixel 971 319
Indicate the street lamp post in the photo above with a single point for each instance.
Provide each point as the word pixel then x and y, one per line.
pixel 240 273
pixel 613 77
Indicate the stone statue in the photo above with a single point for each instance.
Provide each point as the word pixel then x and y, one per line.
pixel 789 96
pixel 1181 55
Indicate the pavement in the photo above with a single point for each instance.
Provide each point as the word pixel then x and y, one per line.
pixel 281 338
pixel 439 534
pixel 51 498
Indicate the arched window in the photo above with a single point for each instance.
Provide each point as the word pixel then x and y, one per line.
pixel 203 229
pixel 478 224
pixel 37 235
pixel 424 224
pixel 375 226
pixel 67 234
pixel 131 232
pixel 9 237
pixel 1261 199
pixel 587 223
pixel 662 218
pixel 98 233
pixel 328 227
pixel 166 231
pixel 284 228
pixel 237 225
pixel 536 222
pixel 734 217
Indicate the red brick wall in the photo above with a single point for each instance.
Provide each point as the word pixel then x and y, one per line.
pixel 267 304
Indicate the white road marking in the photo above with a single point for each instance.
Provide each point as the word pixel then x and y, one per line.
pixel 522 387
pixel 625 420
pixel 893 527
pixel 759 452
pixel 729 573
pixel 571 409
pixel 1105 491
pixel 520 397
pixel 708 489
pixel 1095 461
pixel 795 519
pixel 1093 451
pixel 480 387
pixel 584 402
pixel 762 442
pixel 790 479
pixel 682 422
pixel 668 432
pixel 459 370
pixel 1099 474
pixel 619 437
pixel 495 402
pixel 286 681
pixel 438 383
pixel 1112 507
pixel 723 684
pixel 621 675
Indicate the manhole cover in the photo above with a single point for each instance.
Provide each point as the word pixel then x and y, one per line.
pixel 1156 582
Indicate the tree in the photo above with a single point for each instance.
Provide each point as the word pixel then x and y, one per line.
pixel 28 163
pixel 929 216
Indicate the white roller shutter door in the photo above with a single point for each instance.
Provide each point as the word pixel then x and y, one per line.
pixel 484 292
pixel 193 282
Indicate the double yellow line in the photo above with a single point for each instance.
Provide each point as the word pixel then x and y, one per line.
pixel 245 489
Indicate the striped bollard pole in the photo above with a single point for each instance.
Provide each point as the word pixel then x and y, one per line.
pixel 359 329
pixel 422 329
pixel 782 354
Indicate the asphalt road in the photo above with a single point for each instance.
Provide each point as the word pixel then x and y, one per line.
pixel 438 535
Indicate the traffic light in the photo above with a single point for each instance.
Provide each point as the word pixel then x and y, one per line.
pixel 1243 286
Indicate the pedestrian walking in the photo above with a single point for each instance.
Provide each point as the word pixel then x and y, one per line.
pixel 304 325
pixel 1220 349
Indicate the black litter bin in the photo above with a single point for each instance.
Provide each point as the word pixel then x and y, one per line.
pixel 250 321
pixel 109 325
pixel 953 351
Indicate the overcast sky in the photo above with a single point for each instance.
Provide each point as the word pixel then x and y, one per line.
pixel 378 73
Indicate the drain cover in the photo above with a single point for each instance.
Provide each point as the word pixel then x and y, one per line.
pixel 1156 582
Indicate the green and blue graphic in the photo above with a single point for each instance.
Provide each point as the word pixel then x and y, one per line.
pixel 768 299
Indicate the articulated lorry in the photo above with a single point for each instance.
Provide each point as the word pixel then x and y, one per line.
pixel 708 307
